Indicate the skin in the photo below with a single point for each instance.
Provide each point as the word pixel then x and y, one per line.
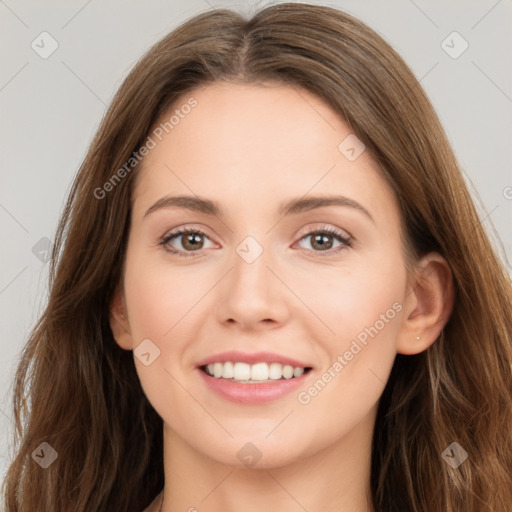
pixel 251 148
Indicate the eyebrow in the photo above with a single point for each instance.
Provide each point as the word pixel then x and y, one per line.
pixel 293 207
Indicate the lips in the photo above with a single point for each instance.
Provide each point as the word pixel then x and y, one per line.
pixel 253 379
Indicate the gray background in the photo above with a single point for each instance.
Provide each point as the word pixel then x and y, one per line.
pixel 50 109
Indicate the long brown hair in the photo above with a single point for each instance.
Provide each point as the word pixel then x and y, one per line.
pixel 78 391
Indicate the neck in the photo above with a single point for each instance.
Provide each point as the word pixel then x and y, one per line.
pixel 336 478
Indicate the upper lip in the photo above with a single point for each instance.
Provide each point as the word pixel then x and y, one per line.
pixel 256 357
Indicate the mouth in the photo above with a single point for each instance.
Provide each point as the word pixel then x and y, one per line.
pixel 253 379
pixel 258 373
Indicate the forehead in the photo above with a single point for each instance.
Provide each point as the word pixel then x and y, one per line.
pixel 255 144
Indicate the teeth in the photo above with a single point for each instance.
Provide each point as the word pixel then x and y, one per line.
pixel 275 371
pixel 228 371
pixel 287 371
pixel 297 371
pixel 217 370
pixel 257 372
pixel 242 371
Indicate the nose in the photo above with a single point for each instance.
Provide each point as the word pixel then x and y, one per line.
pixel 251 295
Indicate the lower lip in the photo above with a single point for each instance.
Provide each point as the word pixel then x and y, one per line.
pixel 253 394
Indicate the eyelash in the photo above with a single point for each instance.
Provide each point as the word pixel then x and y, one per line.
pixel 346 241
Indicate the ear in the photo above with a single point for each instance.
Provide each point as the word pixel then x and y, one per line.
pixel 119 321
pixel 428 305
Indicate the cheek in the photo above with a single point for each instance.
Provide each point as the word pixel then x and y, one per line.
pixel 362 309
pixel 369 310
pixel 160 303
pixel 158 297
pixel 361 355
pixel 353 302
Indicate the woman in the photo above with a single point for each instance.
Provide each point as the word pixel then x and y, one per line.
pixel 270 288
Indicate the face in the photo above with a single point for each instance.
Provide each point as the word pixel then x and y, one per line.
pixel 318 287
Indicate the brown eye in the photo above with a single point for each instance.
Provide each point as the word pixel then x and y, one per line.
pixel 323 240
pixel 187 240
pixel 192 241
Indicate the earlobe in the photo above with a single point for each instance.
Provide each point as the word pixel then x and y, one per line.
pixel 119 322
pixel 428 306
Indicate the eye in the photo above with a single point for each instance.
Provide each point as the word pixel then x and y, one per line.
pixel 322 239
pixel 191 241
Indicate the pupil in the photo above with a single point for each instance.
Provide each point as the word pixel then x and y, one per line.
pixel 320 239
pixel 193 239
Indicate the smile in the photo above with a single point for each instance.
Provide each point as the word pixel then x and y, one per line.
pixel 253 373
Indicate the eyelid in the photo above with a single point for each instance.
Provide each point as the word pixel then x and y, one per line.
pixel 342 236
pixel 180 231
pixel 323 227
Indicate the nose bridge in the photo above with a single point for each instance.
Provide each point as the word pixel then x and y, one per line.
pixel 250 272
pixel 248 295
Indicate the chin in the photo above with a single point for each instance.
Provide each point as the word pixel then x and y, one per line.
pixel 250 452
